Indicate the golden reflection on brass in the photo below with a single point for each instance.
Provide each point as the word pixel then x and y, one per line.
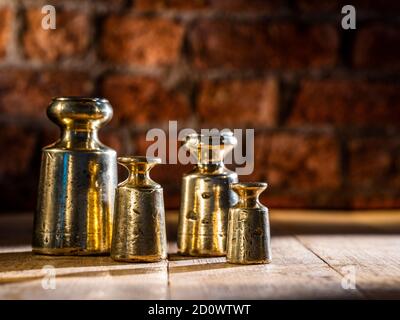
pixel 248 226
pixel 139 233
pixel 77 183
pixel 206 196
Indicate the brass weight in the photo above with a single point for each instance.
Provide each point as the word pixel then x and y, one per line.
pixel 248 226
pixel 139 233
pixel 77 183
pixel 206 196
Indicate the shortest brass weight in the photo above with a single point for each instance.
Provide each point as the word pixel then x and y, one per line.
pixel 139 233
pixel 248 239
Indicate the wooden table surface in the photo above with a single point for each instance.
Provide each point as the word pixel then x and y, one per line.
pixel 314 256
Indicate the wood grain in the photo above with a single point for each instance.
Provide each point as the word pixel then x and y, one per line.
pixel 22 273
pixel 375 259
pixel 296 273
pixel 311 251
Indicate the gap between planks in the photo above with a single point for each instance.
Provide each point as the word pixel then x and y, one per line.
pixel 362 293
pixel 375 259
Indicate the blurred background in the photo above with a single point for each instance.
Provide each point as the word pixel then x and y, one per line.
pixel 324 101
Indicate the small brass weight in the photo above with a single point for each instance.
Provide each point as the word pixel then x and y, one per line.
pixel 139 233
pixel 78 177
pixel 248 226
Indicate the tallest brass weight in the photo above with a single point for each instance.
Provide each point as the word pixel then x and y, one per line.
pixel 77 182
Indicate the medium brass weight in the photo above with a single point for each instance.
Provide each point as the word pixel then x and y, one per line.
pixel 206 196
pixel 78 177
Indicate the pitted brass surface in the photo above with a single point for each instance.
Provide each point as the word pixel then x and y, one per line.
pixel 77 182
pixel 248 226
pixel 139 233
pixel 206 197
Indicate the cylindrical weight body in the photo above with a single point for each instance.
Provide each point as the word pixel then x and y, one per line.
pixel 75 203
pixel 248 236
pixel 206 199
pixel 139 228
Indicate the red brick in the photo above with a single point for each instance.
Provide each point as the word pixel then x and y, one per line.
pixel 19 144
pixel 5 29
pixel 26 94
pixel 318 6
pixel 302 170
pixel 361 6
pixel 377 47
pixel 143 100
pixel 376 200
pixel 302 162
pixel 285 200
pixel 296 161
pixel 270 6
pixel 376 7
pixel 70 39
pixel 312 199
pixel 239 102
pixel 101 5
pixel 372 163
pixel 141 41
pixel 262 147
pixel 151 5
pixel 220 5
pixel 254 45
pixel 347 102
pixel 115 139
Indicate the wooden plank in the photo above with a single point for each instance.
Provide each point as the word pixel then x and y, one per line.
pixel 375 259
pixel 147 283
pixel 304 266
pixel 294 273
pixel 22 275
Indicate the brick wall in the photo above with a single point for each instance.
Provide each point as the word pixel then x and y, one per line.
pixel 325 102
